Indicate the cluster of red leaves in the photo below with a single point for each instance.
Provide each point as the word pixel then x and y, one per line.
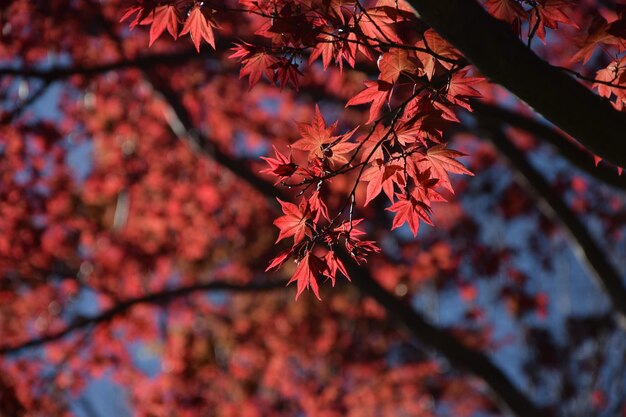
pixel 611 38
pixel 337 31
pixel 421 81
pixel 540 14
pixel 196 20
pixel 395 160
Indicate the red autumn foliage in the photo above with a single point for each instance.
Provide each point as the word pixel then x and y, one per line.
pixel 155 207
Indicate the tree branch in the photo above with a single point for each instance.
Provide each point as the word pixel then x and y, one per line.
pixel 58 73
pixel 15 112
pixel 159 298
pixel 570 150
pixel 181 124
pixel 586 249
pixel 508 396
pixel 491 46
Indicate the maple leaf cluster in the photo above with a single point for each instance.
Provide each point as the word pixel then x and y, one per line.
pixel 399 151
pixel 539 14
pixel 178 18
pixel 421 81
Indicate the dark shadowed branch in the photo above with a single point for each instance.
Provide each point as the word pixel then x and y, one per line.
pixel 567 148
pixel 14 113
pixel 585 247
pixel 492 47
pixel 58 73
pixel 508 396
pixel 181 124
pixel 158 298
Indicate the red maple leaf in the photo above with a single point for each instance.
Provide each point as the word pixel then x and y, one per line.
pixel 199 27
pixel 255 64
pixel 507 10
pixel 422 118
pixel 359 250
pixel 318 206
pixel 381 176
pixel 294 222
pixel 309 269
pixel 347 50
pixel 375 23
pixel 335 264
pixel 611 74
pixel 280 166
pixel 337 8
pixel 440 161
pixel 324 47
pixel 460 88
pixel 337 154
pixel 409 211
pixel 551 13
pixel 242 51
pixel 421 186
pixel 317 139
pixel 286 72
pixel 164 17
pixel 440 47
pixel 372 147
pixel 279 260
pixel 599 33
pixel 446 112
pixel 315 135
pixel 409 133
pixel 142 14
pixel 376 92
pixel 349 229
pixel 396 61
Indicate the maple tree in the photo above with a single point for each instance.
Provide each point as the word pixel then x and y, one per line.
pixel 175 173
